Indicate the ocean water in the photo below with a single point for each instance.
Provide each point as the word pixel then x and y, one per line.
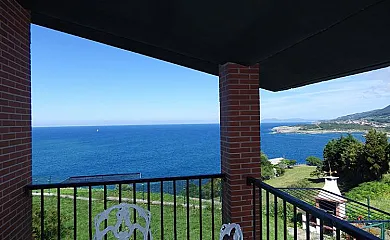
pixel 154 151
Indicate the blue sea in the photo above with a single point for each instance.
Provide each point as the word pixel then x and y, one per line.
pixel 154 151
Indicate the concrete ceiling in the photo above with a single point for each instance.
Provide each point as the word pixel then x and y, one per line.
pixel 296 42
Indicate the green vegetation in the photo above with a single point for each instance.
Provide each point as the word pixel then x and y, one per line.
pixel 313 161
pixel 298 175
pixel 67 216
pixel 377 191
pixel 98 206
pixel 318 163
pixel 359 165
pixel 378 115
pixel 360 122
pixel 356 162
pixel 289 162
pixel 50 231
pixel 267 169
pixel 333 126
pixel 363 169
pixel 205 190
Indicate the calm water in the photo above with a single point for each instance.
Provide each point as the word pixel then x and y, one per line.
pixel 155 151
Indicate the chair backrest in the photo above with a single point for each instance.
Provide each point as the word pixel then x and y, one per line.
pixel 231 231
pixel 123 215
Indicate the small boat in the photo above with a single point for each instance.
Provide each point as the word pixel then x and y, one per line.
pixel 97 130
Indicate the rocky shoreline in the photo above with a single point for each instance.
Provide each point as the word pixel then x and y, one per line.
pixel 297 129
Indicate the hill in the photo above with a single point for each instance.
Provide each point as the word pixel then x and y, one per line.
pixel 296 177
pixel 378 115
pixel 378 191
pixel 378 119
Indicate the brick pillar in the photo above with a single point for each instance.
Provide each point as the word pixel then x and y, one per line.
pixel 240 141
pixel 15 121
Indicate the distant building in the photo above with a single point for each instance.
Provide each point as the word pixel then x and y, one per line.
pixel 275 161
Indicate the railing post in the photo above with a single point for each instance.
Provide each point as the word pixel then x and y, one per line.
pixel 240 142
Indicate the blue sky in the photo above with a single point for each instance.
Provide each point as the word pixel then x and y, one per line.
pixel 81 82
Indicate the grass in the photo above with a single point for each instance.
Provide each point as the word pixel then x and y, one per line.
pixel 294 176
pixel 299 174
pixel 168 222
pixel 67 215
pixel 377 191
pixel 98 193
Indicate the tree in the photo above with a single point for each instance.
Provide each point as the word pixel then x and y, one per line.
pixel 338 153
pixel 343 155
pixel 289 162
pixel 313 161
pixel 217 188
pixel 280 170
pixel 356 162
pixel 353 157
pixel 193 190
pixel 267 169
pixel 318 172
pixel 376 158
pixel 388 152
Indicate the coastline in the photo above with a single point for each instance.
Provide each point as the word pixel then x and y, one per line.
pixel 298 130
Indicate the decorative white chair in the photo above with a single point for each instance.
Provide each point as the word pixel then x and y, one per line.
pixel 123 215
pixel 231 231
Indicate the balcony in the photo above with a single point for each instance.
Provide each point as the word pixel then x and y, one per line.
pixel 233 44
pixel 187 207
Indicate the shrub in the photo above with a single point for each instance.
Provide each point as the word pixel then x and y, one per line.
pixel 374 190
pixel 50 223
pixel 313 161
pixel 217 188
pixel 289 162
pixel 303 183
pixel 280 171
pixel 267 170
pixel 193 189
pixel 280 211
pixel 317 173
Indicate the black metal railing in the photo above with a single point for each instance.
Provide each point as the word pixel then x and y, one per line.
pixel 186 207
pixel 354 211
pixel 280 215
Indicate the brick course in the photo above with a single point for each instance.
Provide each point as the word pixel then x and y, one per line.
pixel 15 121
pixel 240 141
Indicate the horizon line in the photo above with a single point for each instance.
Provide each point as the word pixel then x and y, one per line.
pixel 125 124
pixel 154 124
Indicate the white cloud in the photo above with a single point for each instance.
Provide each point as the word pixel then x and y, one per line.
pixel 381 90
pixel 330 99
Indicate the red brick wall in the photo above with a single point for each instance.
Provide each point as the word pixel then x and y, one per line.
pixel 15 121
pixel 240 141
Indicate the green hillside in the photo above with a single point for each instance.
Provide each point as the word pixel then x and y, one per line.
pixel 378 119
pixel 377 191
pixel 296 176
pixel 378 115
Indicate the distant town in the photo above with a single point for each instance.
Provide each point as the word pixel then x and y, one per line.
pixel 364 122
pixel 359 122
